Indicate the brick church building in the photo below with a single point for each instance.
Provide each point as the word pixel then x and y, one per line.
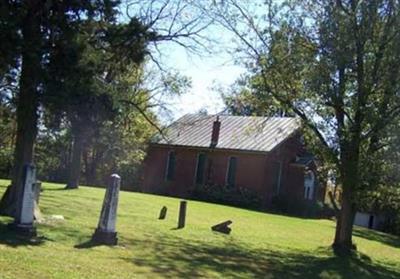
pixel 263 154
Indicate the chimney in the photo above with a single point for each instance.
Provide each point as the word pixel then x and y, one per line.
pixel 215 133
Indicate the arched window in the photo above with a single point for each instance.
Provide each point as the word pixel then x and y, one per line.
pixel 170 170
pixel 309 185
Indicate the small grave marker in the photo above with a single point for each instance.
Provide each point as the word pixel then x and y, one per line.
pixel 182 215
pixel 37 214
pixel 222 227
pixel 37 190
pixel 163 213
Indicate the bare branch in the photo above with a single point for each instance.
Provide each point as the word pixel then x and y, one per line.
pixel 148 118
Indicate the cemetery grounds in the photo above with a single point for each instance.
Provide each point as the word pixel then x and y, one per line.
pixel 260 245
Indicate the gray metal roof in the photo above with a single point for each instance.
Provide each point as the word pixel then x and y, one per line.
pixel 248 133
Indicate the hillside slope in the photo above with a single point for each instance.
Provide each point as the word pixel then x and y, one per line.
pixel 260 245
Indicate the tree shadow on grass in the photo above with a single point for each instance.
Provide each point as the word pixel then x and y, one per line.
pixel 178 258
pixel 373 235
pixel 90 243
pixel 56 189
pixel 176 229
pixel 11 238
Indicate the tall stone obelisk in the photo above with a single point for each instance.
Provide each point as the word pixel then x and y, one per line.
pixel 105 232
pixel 23 221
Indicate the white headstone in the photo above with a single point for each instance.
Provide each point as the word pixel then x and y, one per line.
pixel 23 221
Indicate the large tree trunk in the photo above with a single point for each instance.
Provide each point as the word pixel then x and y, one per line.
pixel 343 243
pixel 75 166
pixel 92 167
pixel 27 106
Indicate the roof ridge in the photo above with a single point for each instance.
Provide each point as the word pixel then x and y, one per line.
pixel 257 133
pixel 239 116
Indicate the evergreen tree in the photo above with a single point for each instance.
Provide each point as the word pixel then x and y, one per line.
pixel 33 26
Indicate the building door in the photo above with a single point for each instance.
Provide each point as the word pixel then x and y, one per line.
pixel 371 222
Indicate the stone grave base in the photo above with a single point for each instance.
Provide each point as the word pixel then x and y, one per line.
pixel 23 230
pixel 103 237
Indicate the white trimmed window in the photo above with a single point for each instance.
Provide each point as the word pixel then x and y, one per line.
pixel 309 185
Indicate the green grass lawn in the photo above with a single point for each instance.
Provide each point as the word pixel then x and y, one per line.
pixel 260 245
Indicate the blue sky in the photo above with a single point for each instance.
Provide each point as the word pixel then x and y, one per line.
pixel 205 72
pixel 205 69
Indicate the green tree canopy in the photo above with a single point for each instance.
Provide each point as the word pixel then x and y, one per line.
pixel 335 65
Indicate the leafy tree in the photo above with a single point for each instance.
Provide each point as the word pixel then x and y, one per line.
pixel 7 137
pixel 118 146
pixel 383 189
pixel 101 54
pixel 116 143
pixel 77 87
pixel 9 38
pixel 53 152
pixel 32 27
pixel 334 64
pixel 244 97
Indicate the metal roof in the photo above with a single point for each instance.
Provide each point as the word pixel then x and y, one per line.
pixel 247 133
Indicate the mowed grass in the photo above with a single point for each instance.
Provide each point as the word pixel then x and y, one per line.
pixel 260 246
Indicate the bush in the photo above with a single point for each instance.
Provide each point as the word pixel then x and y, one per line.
pixel 236 196
pixel 302 208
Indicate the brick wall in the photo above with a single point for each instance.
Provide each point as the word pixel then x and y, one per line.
pixel 254 170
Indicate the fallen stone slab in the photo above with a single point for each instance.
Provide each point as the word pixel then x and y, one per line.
pixel 222 227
